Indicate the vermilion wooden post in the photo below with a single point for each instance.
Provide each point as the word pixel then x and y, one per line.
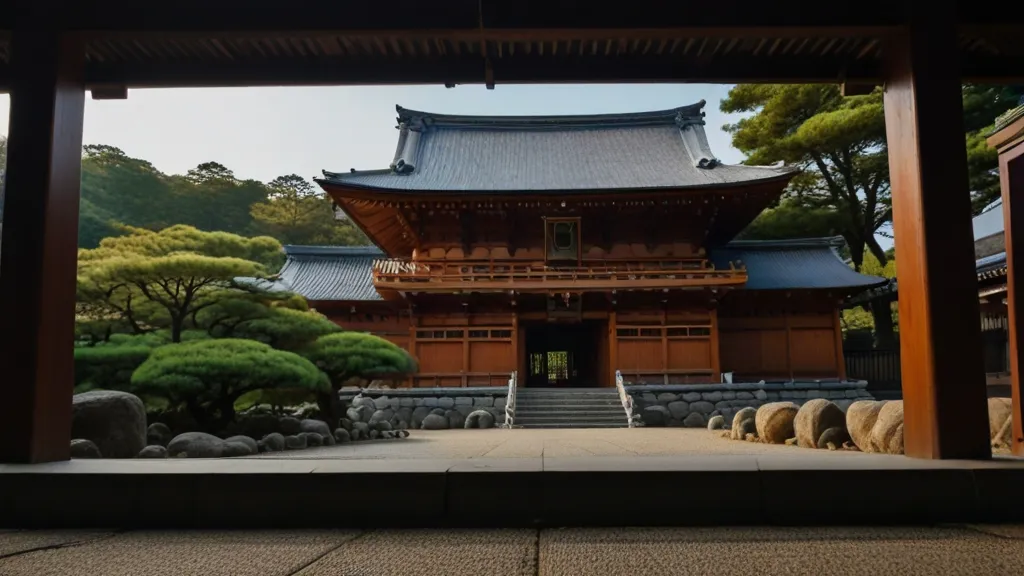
pixel 40 243
pixel 1010 143
pixel 945 414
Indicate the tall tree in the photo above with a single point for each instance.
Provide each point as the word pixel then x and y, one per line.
pixel 296 212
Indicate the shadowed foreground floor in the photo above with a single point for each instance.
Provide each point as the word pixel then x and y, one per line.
pixel 626 551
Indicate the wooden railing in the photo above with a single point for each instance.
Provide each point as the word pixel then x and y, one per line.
pixel 458 379
pixel 625 399
pixel 510 402
pixel 504 275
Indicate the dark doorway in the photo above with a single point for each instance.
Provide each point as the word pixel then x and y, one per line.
pixel 563 355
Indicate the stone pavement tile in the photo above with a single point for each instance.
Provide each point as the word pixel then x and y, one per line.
pixel 197 553
pixel 19 541
pixel 432 553
pixel 776 551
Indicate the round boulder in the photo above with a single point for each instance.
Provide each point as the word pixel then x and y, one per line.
pixel 294 442
pixel 364 401
pixel 418 415
pixel 694 420
pixel 999 411
pixel 158 434
pixel 233 449
pixel 341 436
pixel 249 442
pixel 745 429
pixel 82 448
pixel 455 419
pixel 656 416
pixel 887 433
pixel 739 418
pixel 273 442
pixel 835 436
pixel 860 419
pixel 678 409
pixel 290 426
pixel 814 417
pixel 312 439
pixel 716 423
pixel 114 421
pixel 195 445
pixel 480 419
pixel 318 427
pixel 154 451
pixel 434 422
pixel 382 426
pixel 774 422
pixel 345 423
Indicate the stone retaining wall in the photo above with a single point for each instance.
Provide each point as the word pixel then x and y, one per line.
pixel 692 405
pixel 409 407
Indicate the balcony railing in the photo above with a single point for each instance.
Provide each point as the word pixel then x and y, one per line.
pixel 411 275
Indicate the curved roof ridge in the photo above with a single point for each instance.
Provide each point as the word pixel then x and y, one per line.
pixel 306 250
pixel 692 113
pixel 822 242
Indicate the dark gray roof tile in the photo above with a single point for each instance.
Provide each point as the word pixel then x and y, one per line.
pixel 330 272
pixel 791 264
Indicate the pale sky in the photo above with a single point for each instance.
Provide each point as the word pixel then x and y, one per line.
pixel 263 133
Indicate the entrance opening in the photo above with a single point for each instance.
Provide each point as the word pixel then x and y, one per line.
pixel 563 355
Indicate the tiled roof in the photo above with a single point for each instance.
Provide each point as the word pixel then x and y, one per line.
pixel 790 264
pixel 647 150
pixel 330 272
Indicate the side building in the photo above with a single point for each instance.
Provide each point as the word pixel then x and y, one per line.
pixel 567 248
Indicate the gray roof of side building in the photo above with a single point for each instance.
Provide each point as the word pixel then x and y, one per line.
pixel 322 273
pixel 811 263
pixel 665 149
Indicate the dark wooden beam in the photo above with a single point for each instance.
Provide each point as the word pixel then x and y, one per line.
pixel 40 243
pixel 945 413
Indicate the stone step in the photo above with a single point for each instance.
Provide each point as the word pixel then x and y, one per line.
pixel 556 414
pixel 569 401
pixel 539 421
pixel 569 407
pixel 568 397
pixel 574 425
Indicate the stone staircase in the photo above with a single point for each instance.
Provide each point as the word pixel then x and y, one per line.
pixel 569 408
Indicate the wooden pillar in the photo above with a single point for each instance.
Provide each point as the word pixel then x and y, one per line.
pixel 945 412
pixel 1010 143
pixel 613 344
pixel 716 363
pixel 40 243
pixel 837 327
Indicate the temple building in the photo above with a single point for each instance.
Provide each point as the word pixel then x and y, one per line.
pixel 567 248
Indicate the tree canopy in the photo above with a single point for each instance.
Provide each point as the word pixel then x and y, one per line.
pixel 295 212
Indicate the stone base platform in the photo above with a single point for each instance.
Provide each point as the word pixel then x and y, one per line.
pixel 770 489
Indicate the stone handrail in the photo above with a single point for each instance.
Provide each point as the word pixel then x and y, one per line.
pixel 625 398
pixel 510 401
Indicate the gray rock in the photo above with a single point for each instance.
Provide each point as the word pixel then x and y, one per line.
pixel 852 393
pixel 500 403
pixel 746 429
pixel 716 423
pixel 728 395
pixel 759 394
pixel 114 421
pixel 273 442
pixel 382 426
pixel 402 434
pixel 82 448
pixel 836 394
pixel 374 434
pixel 678 409
pixel 813 394
pixel 667 397
pixel 318 427
pixel 382 415
pixel 649 397
pixel 835 436
pixel 483 401
pixel 430 402
pixel 694 420
pixel 233 449
pixel 712 396
pixel 772 396
pixel 195 445
pixel 480 419
pixel 406 402
pixel 445 402
pixel 691 396
pixel 455 419
pixel 745 395
pixel 345 423
pixel 253 448
pixel 154 451
pixel 656 416
pixel 722 405
pixel 465 410
pixel 312 438
pixel 291 426
pixel 353 415
pixel 341 436
pixel 438 411
pixel 364 401
pixel 158 434
pixel 294 442
pixel 738 432
pixel 404 413
pixel 394 403
pixel 417 402
pixel 434 422
pixel 356 435
pixel 418 415
pixel 386 434
pixel 702 407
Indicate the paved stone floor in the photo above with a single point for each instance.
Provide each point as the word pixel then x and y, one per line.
pixel 968 550
pixel 554 443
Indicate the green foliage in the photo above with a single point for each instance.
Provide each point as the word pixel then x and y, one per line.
pixel 792 218
pixel 149 280
pixel 354 354
pixel 860 318
pixel 210 375
pixel 282 321
pixel 107 367
pixel 297 213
